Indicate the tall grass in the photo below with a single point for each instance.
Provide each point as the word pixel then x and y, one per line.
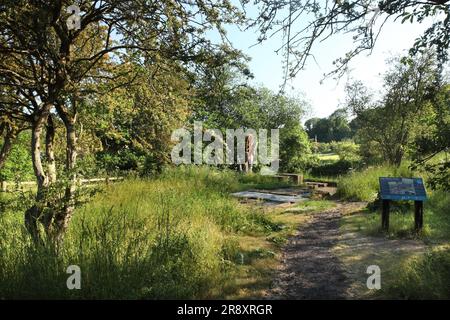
pixel 364 185
pixel 156 239
pixel 401 219
pixel 422 277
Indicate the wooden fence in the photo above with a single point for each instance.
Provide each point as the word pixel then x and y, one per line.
pixel 4 185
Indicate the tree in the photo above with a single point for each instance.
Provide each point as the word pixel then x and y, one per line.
pixel 134 124
pixel 390 123
pixel 318 129
pixel 223 98
pixel 432 142
pixel 333 128
pixel 227 101
pixel 53 68
pixel 305 23
pixel 295 149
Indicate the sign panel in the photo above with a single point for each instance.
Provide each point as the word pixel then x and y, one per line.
pixel 402 189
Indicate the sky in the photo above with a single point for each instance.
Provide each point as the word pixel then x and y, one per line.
pixel 324 98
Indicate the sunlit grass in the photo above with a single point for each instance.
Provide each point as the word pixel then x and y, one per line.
pixel 401 220
pixel 408 275
pixel 364 185
pixel 309 206
pixel 422 277
pixel 170 237
pixel 328 157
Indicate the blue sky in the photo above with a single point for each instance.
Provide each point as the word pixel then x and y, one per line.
pixel 324 98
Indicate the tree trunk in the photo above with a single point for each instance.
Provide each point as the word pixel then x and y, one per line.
pixel 7 146
pixel 33 214
pixel 398 156
pixel 47 218
pixel 63 217
pixel 50 150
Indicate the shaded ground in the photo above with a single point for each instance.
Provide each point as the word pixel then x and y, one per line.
pixel 322 262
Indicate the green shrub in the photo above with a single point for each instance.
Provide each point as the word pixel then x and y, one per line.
pixel 347 150
pixel 332 169
pixel 18 166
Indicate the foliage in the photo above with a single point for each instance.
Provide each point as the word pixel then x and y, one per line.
pixel 432 142
pixel 332 169
pixel 334 128
pixel 18 164
pixel 348 159
pixel 347 150
pixel 134 124
pixel 226 101
pixel 389 125
pixel 295 151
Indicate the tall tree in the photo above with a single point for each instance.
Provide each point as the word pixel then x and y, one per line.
pixel 53 59
pixel 391 121
pixel 431 145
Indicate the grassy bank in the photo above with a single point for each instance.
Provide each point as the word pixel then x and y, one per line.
pixel 178 236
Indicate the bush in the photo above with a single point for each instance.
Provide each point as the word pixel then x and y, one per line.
pixel 321 147
pixel 18 166
pixel 295 149
pixel 347 151
pixel 332 169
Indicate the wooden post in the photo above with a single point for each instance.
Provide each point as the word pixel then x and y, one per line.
pixel 418 215
pixel 385 215
pixel 3 186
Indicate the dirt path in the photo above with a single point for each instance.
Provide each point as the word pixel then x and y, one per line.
pixel 312 267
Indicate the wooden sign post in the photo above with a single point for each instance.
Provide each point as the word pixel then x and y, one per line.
pixel 402 189
pixel 385 215
pixel 418 215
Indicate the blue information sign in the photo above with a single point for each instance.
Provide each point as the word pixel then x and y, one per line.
pixel 402 189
